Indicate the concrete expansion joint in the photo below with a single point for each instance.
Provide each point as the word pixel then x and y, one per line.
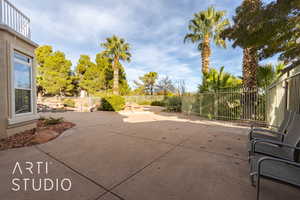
pixel 146 166
pixel 79 174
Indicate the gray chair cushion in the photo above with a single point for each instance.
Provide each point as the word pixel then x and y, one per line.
pixel 293 132
pixel 274 150
pixel 285 122
pixel 277 170
pixel 288 118
pixel 263 136
pixel 266 135
pixel 292 138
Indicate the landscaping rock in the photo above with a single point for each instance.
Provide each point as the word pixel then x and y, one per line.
pixel 43 136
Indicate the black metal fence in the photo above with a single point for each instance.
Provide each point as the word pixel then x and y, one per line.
pixel 249 104
pixel 228 104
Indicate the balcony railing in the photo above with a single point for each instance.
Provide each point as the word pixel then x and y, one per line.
pixel 14 18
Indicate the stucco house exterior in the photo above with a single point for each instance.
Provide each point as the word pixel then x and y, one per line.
pixel 18 110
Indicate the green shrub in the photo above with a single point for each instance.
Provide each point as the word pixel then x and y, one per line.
pixel 158 103
pixel 52 120
pixel 112 103
pixel 173 104
pixel 69 103
pixel 144 102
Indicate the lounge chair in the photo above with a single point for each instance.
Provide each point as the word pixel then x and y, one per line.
pixel 281 170
pixel 290 138
pixel 264 133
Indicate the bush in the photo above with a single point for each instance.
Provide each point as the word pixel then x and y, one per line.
pixel 144 102
pixel 158 103
pixel 52 120
pixel 173 104
pixel 112 103
pixel 69 103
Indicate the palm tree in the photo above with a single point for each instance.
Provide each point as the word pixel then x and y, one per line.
pixel 239 33
pixel 216 80
pixel 267 74
pixel 250 58
pixel 244 25
pixel 207 25
pixel 117 49
pixel 250 65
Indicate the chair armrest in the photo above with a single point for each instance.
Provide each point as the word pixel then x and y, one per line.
pixel 254 142
pixel 272 126
pixel 259 169
pixel 254 125
pixel 261 160
pixel 265 130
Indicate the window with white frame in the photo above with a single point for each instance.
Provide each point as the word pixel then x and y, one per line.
pixel 22 79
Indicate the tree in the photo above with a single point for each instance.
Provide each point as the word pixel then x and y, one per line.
pixel 216 80
pixel 92 80
pixel 83 64
pixel 54 71
pixel 105 64
pixel 148 82
pixel 116 49
pixel 75 91
pixel 91 77
pixel 268 29
pixel 279 31
pixel 165 85
pixel 267 74
pixel 250 59
pixel 239 32
pixel 41 54
pixel 272 29
pixel 181 87
pixel 207 25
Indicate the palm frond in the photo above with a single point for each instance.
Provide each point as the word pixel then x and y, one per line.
pixel 208 22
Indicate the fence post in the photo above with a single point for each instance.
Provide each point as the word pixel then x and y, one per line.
pixel 1 11
pixel 200 104
pixel 215 105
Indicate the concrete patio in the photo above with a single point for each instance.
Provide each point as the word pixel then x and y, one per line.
pixel 147 155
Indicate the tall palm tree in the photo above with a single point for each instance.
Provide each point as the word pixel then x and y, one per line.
pixel 250 57
pixel 250 64
pixel 240 33
pixel 117 49
pixel 205 26
pixel 244 25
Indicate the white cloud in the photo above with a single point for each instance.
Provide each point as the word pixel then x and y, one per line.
pixel 155 30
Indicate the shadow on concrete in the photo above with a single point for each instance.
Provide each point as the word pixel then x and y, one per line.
pixel 148 155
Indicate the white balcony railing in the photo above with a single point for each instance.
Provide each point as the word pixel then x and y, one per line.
pixel 14 18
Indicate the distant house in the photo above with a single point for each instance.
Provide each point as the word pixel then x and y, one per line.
pixel 17 72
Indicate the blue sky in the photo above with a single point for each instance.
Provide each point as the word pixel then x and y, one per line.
pixel 154 28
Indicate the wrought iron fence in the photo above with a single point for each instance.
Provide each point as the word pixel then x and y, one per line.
pixel 14 18
pixel 144 99
pixel 228 104
pixel 85 104
pixel 78 104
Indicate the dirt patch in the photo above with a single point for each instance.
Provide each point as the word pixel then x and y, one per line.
pixel 42 134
